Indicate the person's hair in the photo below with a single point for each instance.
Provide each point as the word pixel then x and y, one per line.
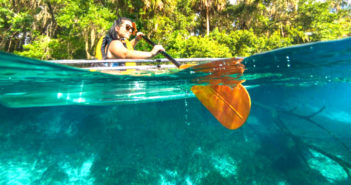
pixel 112 31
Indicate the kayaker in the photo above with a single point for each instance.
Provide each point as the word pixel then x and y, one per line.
pixel 116 44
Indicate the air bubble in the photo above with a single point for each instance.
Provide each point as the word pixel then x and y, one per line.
pixel 288 58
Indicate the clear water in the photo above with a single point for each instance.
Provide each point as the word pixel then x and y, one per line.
pixel 151 130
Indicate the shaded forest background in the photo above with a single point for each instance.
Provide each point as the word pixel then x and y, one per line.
pixel 70 29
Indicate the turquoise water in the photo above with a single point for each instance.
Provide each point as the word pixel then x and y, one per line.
pixel 151 130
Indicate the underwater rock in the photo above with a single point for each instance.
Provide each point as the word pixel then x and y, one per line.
pixel 327 167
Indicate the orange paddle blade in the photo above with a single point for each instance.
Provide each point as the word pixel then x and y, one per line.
pixel 184 66
pixel 230 106
pixel 225 72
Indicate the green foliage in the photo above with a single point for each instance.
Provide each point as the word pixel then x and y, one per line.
pixel 246 42
pixel 195 47
pixel 43 48
pixel 13 26
pixel 275 40
pixel 84 22
pixel 70 29
pixel 323 22
pixel 205 47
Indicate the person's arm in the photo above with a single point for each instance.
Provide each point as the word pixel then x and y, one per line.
pixel 134 42
pixel 138 37
pixel 118 50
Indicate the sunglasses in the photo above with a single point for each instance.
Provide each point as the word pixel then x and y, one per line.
pixel 128 28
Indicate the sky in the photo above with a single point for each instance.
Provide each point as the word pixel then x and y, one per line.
pixel 233 1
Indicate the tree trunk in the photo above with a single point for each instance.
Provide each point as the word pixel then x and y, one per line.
pixel 92 39
pixel 207 21
pixel 87 48
pixel 54 23
pixel 9 46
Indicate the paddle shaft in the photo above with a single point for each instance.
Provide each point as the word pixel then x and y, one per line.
pixel 162 52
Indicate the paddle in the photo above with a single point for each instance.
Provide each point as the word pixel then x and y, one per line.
pixel 230 106
pixel 162 52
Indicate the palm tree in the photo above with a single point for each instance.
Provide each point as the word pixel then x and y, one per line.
pixel 209 6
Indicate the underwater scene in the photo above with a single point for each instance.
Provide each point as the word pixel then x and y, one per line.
pixel 63 125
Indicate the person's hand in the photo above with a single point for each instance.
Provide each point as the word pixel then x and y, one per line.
pixel 139 36
pixel 156 49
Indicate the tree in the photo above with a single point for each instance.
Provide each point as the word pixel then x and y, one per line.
pixel 57 29
pixel 208 7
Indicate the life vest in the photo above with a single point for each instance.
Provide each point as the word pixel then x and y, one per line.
pixel 103 45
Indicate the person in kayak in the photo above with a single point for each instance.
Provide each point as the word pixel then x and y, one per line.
pixel 116 44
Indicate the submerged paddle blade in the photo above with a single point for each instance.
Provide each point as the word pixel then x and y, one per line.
pixel 230 106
